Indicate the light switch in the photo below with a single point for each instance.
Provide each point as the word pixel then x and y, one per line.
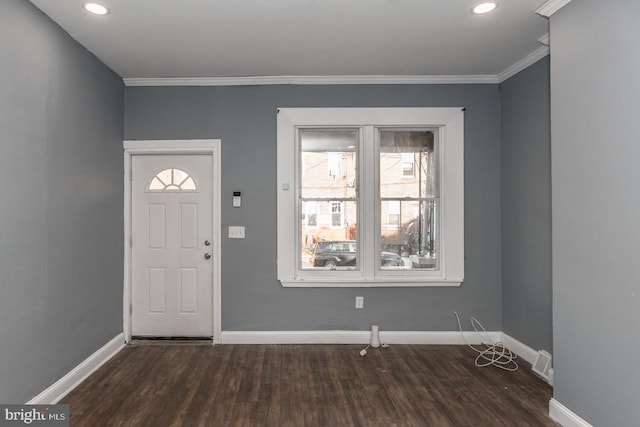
pixel 236 232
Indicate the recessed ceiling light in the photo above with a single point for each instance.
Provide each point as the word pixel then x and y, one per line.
pixel 96 8
pixel 484 7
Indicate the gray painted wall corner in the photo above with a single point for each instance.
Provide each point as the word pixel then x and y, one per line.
pixel 61 127
pixel 525 167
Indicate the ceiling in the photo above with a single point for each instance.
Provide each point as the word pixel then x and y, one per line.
pixel 239 38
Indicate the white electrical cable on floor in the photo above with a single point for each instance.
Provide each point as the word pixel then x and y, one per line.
pixel 495 354
pixel 363 352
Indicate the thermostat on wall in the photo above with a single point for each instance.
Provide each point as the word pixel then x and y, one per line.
pixel 237 199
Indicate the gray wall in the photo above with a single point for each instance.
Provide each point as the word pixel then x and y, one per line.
pixel 595 102
pixel 245 119
pixel 62 202
pixel 525 168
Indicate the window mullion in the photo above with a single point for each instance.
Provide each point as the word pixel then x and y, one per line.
pixel 370 209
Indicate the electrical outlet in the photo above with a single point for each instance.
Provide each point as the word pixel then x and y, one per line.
pixel 359 302
pixel 236 232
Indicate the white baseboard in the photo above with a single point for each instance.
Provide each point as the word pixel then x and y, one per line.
pixel 54 393
pixel 521 349
pixel 565 417
pixel 437 337
pixel 295 337
pixel 352 337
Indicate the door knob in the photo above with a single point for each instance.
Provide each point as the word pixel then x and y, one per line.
pixel 207 243
pixel 207 255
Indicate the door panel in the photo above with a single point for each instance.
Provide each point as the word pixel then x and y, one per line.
pixel 171 291
pixel 157 225
pixel 188 226
pixel 157 286
pixel 188 290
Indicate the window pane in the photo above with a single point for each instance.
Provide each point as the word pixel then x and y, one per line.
pixel 179 176
pixel 156 184
pixel 413 243
pixel 165 176
pixel 328 205
pixel 328 163
pixel 188 184
pixel 331 241
pixel 408 166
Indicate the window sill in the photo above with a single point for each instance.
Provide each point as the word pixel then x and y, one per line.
pixel 376 283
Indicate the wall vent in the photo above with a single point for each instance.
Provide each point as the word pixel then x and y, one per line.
pixel 542 364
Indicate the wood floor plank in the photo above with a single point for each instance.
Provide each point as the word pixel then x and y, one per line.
pixel 306 385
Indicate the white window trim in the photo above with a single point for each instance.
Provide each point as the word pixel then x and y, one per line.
pixel 449 121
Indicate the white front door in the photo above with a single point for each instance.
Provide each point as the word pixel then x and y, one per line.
pixel 171 249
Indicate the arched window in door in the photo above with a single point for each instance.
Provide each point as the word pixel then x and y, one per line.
pixel 172 180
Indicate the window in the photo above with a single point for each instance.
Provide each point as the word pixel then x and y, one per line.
pixel 334 161
pixel 172 180
pixel 311 213
pixel 360 221
pixel 417 195
pixel 408 164
pixel 336 214
pixel 393 214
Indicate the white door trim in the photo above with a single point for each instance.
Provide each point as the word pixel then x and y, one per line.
pixel 183 146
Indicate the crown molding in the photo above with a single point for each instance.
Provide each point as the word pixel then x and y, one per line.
pixel 311 80
pixel 525 62
pixel 551 7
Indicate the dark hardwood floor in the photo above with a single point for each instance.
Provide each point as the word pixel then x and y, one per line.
pixel 306 385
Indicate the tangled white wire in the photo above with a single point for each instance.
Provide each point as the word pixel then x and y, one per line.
pixel 495 354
